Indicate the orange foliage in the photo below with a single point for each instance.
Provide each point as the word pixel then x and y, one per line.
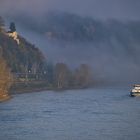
pixel 5 78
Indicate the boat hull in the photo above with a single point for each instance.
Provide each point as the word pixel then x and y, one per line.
pixel 134 94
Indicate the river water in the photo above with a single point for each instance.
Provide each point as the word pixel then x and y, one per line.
pixel 91 114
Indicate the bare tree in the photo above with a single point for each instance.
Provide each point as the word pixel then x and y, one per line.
pixel 61 75
pixel 83 76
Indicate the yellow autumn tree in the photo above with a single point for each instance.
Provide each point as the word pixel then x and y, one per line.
pixel 5 80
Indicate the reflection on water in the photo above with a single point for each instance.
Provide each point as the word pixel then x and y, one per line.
pixel 94 114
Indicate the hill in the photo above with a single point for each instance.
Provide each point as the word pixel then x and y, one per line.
pixel 71 27
pixel 16 60
pixel 110 46
pixel 21 57
pixel 30 70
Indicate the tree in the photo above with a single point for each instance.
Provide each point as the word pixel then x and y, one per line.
pixel 12 27
pixel 50 73
pixel 61 75
pixel 1 23
pixel 82 76
pixel 5 79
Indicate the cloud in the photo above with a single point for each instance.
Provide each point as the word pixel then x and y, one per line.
pixel 123 9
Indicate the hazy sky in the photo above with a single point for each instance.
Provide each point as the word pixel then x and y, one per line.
pixel 122 9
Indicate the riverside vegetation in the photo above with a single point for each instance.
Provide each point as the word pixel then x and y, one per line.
pixel 5 80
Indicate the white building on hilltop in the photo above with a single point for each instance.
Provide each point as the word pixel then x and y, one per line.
pixel 14 35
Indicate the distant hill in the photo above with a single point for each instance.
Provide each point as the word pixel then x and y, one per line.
pixel 118 36
pixel 111 46
pixel 71 27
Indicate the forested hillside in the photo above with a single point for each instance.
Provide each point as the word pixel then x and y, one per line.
pixel 22 57
pixel 110 46
pixel 121 38
pixel 16 59
pixel 30 69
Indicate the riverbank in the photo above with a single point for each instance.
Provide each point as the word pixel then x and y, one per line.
pixel 4 97
pixel 37 86
pixel 30 86
pixel 29 90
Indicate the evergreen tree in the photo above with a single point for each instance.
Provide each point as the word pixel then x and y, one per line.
pixel 1 21
pixel 12 27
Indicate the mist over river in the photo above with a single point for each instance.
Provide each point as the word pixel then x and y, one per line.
pixel 90 114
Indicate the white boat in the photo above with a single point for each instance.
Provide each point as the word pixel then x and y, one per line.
pixel 135 91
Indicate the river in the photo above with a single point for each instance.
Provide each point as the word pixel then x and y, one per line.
pixel 90 114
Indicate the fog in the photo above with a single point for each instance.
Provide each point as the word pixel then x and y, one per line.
pixel 110 63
